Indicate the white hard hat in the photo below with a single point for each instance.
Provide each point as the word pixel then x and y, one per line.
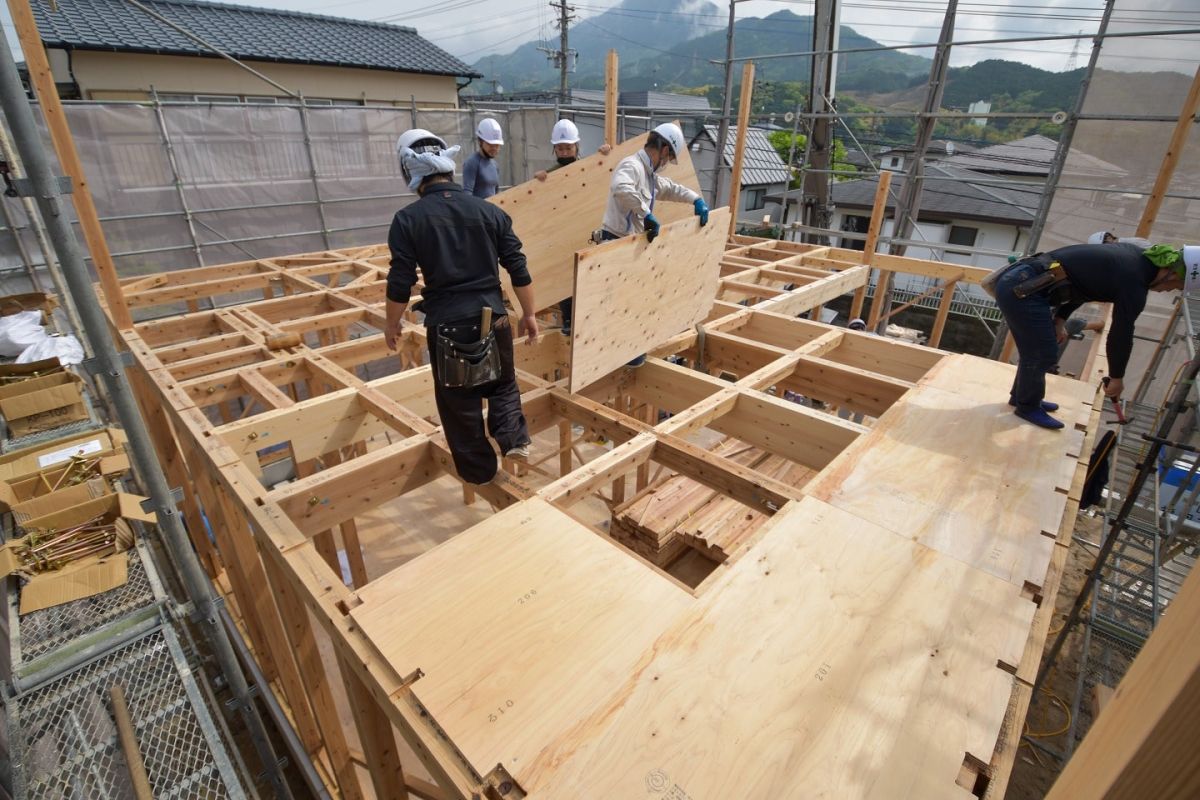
pixel 857 324
pixel 674 136
pixel 1191 268
pixel 489 131
pixel 1098 237
pixel 418 140
pixel 564 132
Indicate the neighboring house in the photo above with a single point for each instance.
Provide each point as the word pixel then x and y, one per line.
pixel 111 50
pixel 1030 160
pixel 958 207
pixel 764 175
pixel 898 158
pixel 660 102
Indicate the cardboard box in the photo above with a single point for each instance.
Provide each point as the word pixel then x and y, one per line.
pixel 30 301
pixel 87 576
pixel 15 373
pixel 40 404
pixel 28 460
pixel 63 498
pixel 43 482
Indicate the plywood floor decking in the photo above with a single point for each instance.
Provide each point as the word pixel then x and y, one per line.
pixel 870 639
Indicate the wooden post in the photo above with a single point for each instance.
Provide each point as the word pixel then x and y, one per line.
pixel 943 313
pixel 1144 743
pixel 739 150
pixel 610 99
pixel 64 145
pixel 376 735
pixel 1171 158
pixel 1009 344
pixel 877 212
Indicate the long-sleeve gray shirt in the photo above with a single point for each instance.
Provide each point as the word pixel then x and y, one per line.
pixel 481 176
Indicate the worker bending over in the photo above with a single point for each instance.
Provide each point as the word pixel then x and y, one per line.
pixel 1037 294
pixel 458 240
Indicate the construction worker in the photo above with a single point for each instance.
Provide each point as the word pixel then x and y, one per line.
pixel 1037 295
pixel 636 185
pixel 564 138
pixel 1102 237
pixel 481 176
pixel 458 240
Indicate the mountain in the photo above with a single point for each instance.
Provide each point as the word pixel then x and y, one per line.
pixel 992 79
pixel 687 64
pixel 623 27
pixel 686 35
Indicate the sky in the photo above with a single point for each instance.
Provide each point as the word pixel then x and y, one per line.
pixel 473 28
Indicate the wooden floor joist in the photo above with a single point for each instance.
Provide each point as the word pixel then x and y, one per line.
pixel 870 635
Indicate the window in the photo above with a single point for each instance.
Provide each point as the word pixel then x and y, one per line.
pixel 963 236
pixel 894 161
pixel 755 199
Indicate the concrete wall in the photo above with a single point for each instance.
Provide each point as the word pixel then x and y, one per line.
pixel 128 76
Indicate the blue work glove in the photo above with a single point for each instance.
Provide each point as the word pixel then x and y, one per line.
pixel 652 227
pixel 701 211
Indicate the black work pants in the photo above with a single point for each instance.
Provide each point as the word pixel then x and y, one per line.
pixel 461 410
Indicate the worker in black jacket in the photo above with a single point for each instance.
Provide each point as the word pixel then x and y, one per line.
pixel 458 240
pixel 1037 295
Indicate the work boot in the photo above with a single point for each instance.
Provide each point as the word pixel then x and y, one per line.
pixel 518 453
pixel 1039 418
pixel 1046 405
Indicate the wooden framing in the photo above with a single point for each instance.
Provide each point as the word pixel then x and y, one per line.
pixel 532 654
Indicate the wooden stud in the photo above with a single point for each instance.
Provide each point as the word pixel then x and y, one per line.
pixel 878 209
pixel 1179 137
pixel 610 99
pixel 739 150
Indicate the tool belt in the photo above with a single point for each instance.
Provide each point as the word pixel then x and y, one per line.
pixel 1052 279
pixel 467 365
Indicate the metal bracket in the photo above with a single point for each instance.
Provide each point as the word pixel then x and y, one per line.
pixel 94 367
pixel 176 499
pixel 25 187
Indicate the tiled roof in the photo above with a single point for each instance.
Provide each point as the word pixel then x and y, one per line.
pixel 243 32
pixel 954 193
pixel 761 165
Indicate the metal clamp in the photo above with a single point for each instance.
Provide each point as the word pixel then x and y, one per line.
pixel 94 366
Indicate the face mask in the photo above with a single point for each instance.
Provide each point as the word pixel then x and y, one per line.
pixel 564 160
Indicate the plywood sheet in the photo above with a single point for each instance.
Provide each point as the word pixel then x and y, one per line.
pixel 632 294
pixel 960 475
pixel 522 626
pixel 836 659
pixel 556 217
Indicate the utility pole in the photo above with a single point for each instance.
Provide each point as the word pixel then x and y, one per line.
pixel 726 107
pixel 909 205
pixel 822 82
pixel 564 56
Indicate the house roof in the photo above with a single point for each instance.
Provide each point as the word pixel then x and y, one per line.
pixel 665 101
pixel 761 165
pixel 1029 156
pixel 952 192
pixel 244 32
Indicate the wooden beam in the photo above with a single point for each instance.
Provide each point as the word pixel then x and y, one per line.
pixel 817 293
pixel 877 212
pixel 42 79
pixel 610 99
pixel 943 313
pixel 1179 137
pixel 1144 743
pixel 739 150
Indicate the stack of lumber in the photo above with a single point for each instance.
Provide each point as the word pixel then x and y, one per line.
pixel 675 513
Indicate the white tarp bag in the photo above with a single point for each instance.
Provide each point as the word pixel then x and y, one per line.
pixel 66 349
pixel 20 331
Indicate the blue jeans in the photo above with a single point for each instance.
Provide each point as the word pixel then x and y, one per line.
pixel 1031 321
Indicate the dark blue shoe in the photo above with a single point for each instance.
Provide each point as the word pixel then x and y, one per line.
pixel 1046 405
pixel 1039 418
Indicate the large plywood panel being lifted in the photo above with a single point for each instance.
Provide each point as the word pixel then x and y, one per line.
pixel 556 217
pixel 631 294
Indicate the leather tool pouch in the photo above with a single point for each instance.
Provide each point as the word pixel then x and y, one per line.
pixel 469 365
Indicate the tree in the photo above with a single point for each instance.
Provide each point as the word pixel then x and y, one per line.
pixel 782 142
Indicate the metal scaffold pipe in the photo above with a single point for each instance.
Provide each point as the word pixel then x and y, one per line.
pixel 111 370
